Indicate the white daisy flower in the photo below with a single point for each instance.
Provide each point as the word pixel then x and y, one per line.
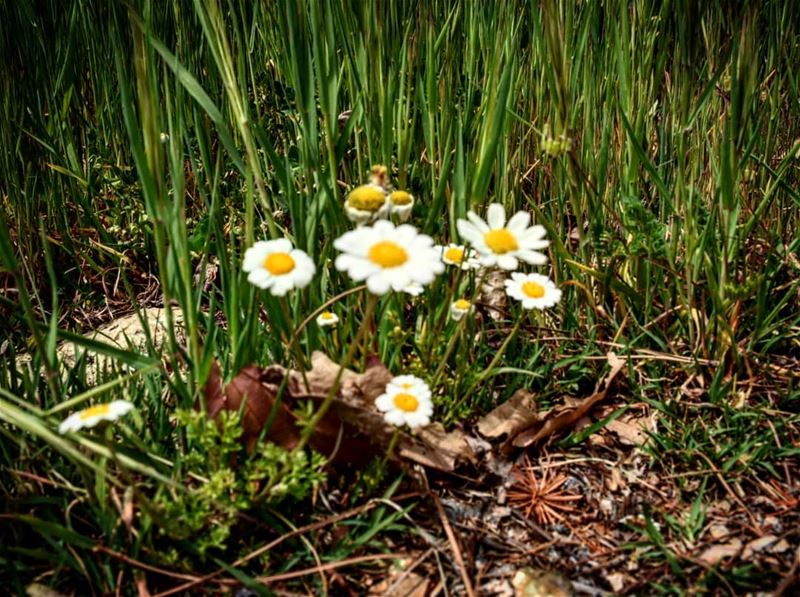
pixel 326 319
pixel 366 203
pixel 388 257
pixel 460 308
pixel 504 244
pixel 275 265
pixel 456 255
pixel 533 290
pixel 402 203
pixel 89 417
pixel 407 400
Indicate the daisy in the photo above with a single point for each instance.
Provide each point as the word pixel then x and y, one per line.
pixel 454 254
pixel 504 244
pixel 533 290
pixel 406 401
pixel 327 319
pixel 402 203
pixel 388 257
pixel 89 417
pixel 366 203
pixel 275 265
pixel 460 308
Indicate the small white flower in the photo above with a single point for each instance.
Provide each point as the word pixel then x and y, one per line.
pixel 326 319
pixel 533 290
pixel 388 257
pixel 275 265
pixel 402 203
pixel 407 400
pixel 457 255
pixel 89 417
pixel 504 244
pixel 460 308
pixel 367 203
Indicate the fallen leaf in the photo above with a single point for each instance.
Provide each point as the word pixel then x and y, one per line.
pixel 631 431
pixel 566 416
pixel 716 553
pixel 352 431
pixel 765 543
pixel 618 580
pixel 531 582
pixel 434 447
pixel 508 419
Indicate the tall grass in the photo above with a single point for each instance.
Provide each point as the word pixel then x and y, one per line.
pixel 163 137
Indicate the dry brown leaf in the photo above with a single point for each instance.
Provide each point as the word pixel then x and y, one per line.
pixel 434 447
pixel 631 431
pixel 716 553
pixel 352 431
pixel 769 543
pixel 511 417
pixel 618 580
pixel 248 387
pixel 565 417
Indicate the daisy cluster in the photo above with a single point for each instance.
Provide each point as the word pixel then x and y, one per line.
pixel 387 254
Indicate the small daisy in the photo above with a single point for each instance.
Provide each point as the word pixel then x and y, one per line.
pixel 275 265
pixel 89 417
pixel 388 257
pixel 533 290
pixel 327 319
pixel 460 308
pixel 402 203
pixel 366 203
pixel 504 244
pixel 456 255
pixel 407 400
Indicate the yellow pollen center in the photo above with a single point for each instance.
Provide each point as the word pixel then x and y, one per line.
pixel 367 198
pixel 279 263
pixel 462 304
pixel 327 315
pixel 387 254
pixel 94 411
pixel 533 290
pixel 454 254
pixel 406 402
pixel 400 198
pixel 501 241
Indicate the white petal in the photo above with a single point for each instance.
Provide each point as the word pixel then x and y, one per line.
pixel 532 257
pixel 519 222
pixel 496 216
pixel 478 222
pixel 507 262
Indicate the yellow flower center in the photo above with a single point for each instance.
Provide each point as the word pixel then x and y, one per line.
pixel 533 290
pixel 462 304
pixel 327 315
pixel 501 241
pixel 454 254
pixel 367 198
pixel 406 402
pixel 94 411
pixel 400 198
pixel 279 263
pixel 388 254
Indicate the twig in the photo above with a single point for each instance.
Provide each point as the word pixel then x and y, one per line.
pixel 454 545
